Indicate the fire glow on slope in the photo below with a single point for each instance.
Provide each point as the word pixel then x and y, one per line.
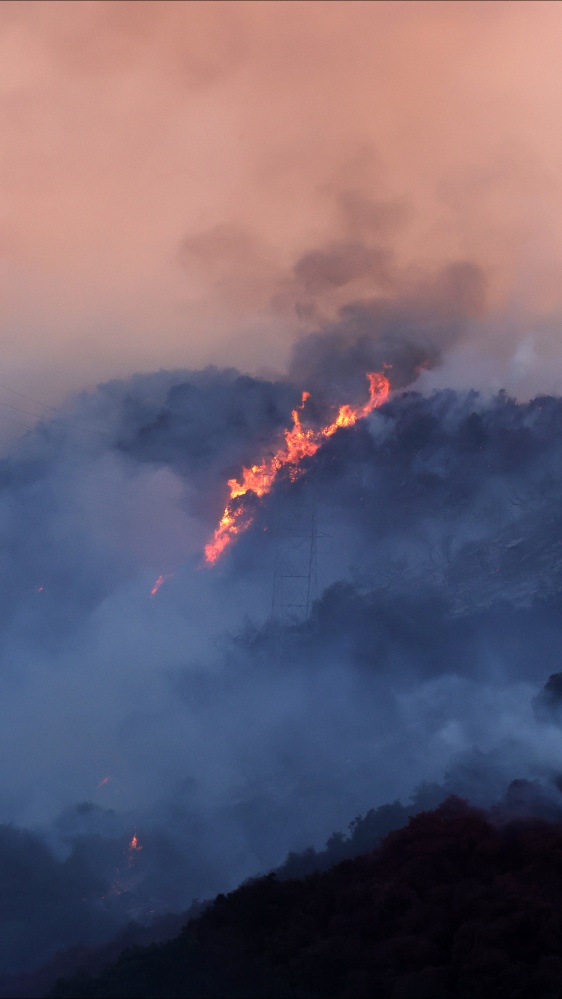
pixel 161 579
pixel 300 442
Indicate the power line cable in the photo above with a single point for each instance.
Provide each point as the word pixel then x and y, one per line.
pixel 30 398
pixel 50 419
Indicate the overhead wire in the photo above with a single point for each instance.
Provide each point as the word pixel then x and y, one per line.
pixel 75 423
pixel 30 398
pixel 108 480
pixel 104 476
pixel 52 419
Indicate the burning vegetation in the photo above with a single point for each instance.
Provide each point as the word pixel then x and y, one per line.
pixel 300 442
pixel 162 578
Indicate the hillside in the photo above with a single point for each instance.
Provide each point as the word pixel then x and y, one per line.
pixel 456 904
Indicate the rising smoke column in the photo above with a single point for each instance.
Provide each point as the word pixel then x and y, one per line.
pixel 300 443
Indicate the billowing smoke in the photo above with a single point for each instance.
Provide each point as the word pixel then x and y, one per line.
pixel 408 332
pixel 161 747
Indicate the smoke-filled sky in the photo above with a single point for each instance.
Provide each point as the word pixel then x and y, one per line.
pixel 192 182
pixel 209 209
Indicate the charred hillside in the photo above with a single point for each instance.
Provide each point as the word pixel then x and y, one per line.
pixel 457 904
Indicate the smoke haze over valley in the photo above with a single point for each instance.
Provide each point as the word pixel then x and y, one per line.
pixel 178 716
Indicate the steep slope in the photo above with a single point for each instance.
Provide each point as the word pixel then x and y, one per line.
pixel 454 905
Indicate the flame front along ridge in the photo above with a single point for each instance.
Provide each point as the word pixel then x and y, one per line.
pixel 299 443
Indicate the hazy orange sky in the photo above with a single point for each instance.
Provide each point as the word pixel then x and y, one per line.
pixel 170 172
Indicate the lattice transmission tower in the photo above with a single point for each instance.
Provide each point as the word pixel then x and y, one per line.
pixel 294 614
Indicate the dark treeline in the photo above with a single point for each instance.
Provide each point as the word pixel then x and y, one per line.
pixel 363 833
pixel 456 904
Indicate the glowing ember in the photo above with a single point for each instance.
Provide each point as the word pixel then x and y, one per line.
pixel 161 579
pixel 103 781
pixel 300 442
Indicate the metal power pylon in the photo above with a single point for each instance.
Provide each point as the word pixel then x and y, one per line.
pixel 295 575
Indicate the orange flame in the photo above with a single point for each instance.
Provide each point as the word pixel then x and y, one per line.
pixel 134 844
pixel 300 442
pixel 161 579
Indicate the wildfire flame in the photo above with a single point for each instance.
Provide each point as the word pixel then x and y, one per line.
pixel 161 579
pixel 134 844
pixel 300 442
pixel 104 781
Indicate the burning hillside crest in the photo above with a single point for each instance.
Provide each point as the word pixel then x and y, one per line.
pixel 300 442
